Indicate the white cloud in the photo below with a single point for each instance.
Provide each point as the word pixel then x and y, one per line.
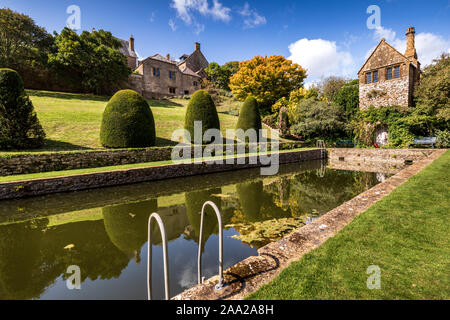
pixel 172 25
pixel 152 17
pixel 429 46
pixel 186 9
pixel 322 58
pixel 252 18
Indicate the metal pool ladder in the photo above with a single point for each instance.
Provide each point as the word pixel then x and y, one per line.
pixel 158 219
pixel 220 285
pixel 320 144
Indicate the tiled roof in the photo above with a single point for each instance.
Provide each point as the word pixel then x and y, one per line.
pixel 188 71
pixel 163 59
pixel 125 49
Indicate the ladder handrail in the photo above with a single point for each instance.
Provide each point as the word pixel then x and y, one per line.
pixel 158 219
pixel 220 285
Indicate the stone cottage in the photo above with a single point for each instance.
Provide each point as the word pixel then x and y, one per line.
pixel 160 76
pixel 388 77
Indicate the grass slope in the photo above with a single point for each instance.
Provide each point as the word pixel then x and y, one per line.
pixel 72 121
pixel 405 234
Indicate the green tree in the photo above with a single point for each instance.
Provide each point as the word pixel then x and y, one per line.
pixel 19 125
pixel 22 42
pixel 268 79
pixel 201 108
pixel 93 58
pixel 317 119
pixel 249 117
pixel 330 87
pixel 127 122
pixel 432 95
pixel 220 75
pixel 348 98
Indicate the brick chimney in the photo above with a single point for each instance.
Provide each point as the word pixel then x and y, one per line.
pixel 411 52
pixel 131 43
pixel 197 46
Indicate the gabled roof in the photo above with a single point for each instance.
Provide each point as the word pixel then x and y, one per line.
pixel 159 57
pixel 189 71
pixel 125 49
pixel 376 48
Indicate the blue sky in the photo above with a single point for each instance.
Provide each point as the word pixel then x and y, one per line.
pixel 326 37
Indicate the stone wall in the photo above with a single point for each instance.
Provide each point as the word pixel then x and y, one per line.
pixel 385 93
pixel 46 162
pixel 13 190
pixel 136 82
pixel 393 156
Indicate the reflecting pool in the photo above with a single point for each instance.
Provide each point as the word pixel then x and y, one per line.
pixel 104 231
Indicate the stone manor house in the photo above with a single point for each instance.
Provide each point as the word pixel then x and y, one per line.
pixel 389 78
pixel 160 76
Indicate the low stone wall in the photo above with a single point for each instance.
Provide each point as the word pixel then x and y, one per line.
pixel 385 155
pixel 12 190
pixel 60 161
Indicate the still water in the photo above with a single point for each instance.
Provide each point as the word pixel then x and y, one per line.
pixel 104 231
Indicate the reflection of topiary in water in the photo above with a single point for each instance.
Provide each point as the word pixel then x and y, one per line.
pixel 127 225
pixel 194 204
pixel 201 108
pixel 19 124
pixel 250 197
pixel 127 122
pixel 21 261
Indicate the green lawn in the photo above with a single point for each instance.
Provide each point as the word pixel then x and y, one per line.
pixel 72 121
pixel 406 234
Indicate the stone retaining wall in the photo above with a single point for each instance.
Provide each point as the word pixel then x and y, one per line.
pixel 384 155
pixel 12 190
pixel 60 161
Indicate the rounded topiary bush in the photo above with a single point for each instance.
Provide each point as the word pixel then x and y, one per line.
pixel 127 122
pixel 249 117
pixel 201 107
pixel 19 125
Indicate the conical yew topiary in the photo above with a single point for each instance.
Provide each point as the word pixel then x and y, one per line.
pixel 19 125
pixel 249 117
pixel 201 108
pixel 127 122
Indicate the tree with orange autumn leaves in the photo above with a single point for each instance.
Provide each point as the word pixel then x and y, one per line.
pixel 268 79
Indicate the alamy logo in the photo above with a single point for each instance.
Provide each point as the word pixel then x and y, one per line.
pixel 234 151
pixel 374 21
pixel 74 20
pixel 74 281
pixel 374 280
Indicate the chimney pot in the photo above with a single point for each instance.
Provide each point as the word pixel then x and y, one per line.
pixel 131 43
pixel 411 52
